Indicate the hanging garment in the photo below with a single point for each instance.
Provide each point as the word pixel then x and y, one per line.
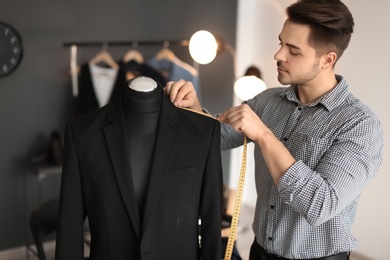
pixel 103 80
pixel 185 184
pixel 133 68
pixel 97 87
pixel 174 69
pixel 133 65
pixel 105 59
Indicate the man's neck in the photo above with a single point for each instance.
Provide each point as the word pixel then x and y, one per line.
pixel 316 88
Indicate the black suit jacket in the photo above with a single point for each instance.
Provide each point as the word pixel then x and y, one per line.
pixel 185 183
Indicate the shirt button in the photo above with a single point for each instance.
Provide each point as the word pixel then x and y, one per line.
pixel 285 139
pixel 270 238
pixel 272 206
pixel 299 108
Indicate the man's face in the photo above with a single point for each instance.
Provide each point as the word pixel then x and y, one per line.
pixel 297 61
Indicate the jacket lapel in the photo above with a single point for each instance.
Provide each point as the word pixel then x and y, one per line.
pixel 115 134
pixel 166 144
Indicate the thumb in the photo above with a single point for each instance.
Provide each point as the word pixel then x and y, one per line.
pixel 223 118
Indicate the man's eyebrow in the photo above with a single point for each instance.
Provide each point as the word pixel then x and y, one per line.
pixel 291 45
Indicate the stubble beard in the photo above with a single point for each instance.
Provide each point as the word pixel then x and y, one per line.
pixel 301 79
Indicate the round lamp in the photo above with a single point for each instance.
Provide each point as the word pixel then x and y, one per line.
pixel 247 87
pixel 203 47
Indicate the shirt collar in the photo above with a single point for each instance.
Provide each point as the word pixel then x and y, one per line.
pixel 330 100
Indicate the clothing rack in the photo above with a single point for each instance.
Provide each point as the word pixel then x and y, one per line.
pixel 105 44
pixel 165 43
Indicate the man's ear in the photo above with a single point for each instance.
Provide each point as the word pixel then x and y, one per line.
pixel 329 59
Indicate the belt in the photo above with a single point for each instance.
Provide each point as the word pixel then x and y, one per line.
pixel 268 256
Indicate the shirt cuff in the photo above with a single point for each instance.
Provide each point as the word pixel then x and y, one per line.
pixel 290 180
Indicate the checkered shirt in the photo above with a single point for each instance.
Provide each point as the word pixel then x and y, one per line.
pixel 337 142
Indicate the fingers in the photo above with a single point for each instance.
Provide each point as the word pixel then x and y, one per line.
pixel 230 116
pixel 173 88
pixel 186 95
pixel 181 93
pixel 237 117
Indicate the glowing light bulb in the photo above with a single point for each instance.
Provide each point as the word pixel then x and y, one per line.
pixel 203 47
pixel 247 87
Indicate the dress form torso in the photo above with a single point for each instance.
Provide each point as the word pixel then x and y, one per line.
pixel 142 112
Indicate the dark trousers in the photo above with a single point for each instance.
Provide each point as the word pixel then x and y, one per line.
pixel 258 253
pixel 235 253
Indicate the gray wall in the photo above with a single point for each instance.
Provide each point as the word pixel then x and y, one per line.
pixel 37 98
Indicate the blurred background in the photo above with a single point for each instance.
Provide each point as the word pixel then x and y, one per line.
pixel 37 98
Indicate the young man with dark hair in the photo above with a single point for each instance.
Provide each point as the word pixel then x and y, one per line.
pixel 317 146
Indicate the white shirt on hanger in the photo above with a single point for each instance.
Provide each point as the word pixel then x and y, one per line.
pixel 103 80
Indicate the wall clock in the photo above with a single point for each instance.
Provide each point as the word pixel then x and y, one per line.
pixel 11 50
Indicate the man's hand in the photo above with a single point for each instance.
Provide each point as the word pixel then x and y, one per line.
pixel 183 94
pixel 243 119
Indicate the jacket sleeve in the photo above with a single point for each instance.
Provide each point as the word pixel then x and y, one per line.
pixel 211 213
pixel 71 216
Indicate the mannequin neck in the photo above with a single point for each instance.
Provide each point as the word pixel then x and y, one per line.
pixel 143 102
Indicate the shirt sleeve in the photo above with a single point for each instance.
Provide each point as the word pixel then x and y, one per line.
pixel 345 168
pixel 230 138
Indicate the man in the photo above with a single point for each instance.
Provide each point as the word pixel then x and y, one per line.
pixel 317 146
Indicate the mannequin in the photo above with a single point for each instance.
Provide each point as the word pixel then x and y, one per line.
pixel 143 172
pixel 142 107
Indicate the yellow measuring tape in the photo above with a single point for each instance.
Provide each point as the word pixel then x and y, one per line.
pixel 237 205
pixel 238 198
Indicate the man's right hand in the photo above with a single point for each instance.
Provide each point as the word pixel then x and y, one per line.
pixel 182 94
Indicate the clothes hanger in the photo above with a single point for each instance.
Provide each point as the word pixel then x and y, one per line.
pixel 133 55
pixel 104 57
pixel 165 53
